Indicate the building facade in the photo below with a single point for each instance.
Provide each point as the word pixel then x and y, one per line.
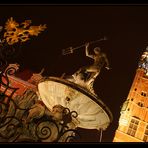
pixel 133 121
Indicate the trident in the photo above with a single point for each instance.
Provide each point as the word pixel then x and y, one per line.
pixel 70 50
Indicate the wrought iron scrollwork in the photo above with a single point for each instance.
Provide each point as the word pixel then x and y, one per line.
pixel 8 122
pixel 14 111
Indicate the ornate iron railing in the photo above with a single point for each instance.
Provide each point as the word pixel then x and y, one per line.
pixel 14 111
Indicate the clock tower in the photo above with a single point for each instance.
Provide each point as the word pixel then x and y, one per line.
pixel 133 121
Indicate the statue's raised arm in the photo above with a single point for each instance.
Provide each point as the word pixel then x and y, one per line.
pixel 87 52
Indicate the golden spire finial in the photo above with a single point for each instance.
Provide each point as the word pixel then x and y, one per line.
pixel 16 32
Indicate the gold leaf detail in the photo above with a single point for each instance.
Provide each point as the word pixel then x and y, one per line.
pixel 35 30
pixel 15 32
pixel 26 23
pixel 11 24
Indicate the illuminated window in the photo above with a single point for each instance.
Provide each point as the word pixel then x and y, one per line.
pixel 145 138
pixel 143 94
pixel 133 127
pixel 140 104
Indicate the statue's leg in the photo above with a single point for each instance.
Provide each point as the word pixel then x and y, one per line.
pixel 91 79
pixel 92 69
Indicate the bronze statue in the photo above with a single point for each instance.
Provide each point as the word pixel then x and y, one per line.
pixel 86 75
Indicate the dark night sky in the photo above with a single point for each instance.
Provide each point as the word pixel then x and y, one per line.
pixel 126 28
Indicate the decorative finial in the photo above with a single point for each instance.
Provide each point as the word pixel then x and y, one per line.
pixel 42 70
pixel 36 77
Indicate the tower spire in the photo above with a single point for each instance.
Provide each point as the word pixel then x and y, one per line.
pixel 143 63
pixel 133 121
